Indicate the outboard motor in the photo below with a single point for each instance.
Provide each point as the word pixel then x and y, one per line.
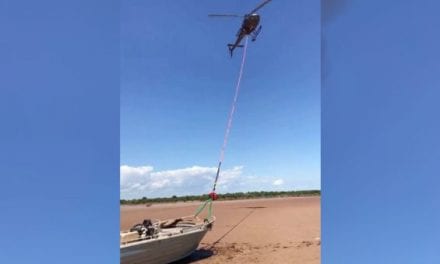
pixel 146 226
pixel 138 228
pixel 149 227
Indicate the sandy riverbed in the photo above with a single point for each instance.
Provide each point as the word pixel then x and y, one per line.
pixel 277 230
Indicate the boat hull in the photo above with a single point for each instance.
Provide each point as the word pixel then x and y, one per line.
pixel 162 250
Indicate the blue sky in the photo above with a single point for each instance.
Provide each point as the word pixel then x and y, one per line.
pixel 60 127
pixel 59 135
pixel 177 85
pixel 380 130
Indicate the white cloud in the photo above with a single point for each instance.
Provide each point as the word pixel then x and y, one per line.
pixel 140 181
pixel 144 181
pixel 278 182
pixel 131 175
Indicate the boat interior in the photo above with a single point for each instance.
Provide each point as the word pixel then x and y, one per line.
pixel 153 228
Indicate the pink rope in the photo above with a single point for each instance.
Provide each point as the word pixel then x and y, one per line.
pixel 231 114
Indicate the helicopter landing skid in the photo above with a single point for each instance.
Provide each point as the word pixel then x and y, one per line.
pixel 255 33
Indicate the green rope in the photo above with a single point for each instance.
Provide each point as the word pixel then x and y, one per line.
pixel 210 210
pixel 202 206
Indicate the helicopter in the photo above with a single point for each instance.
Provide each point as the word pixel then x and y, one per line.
pixel 248 27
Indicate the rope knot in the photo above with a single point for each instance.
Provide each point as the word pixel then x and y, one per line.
pixel 213 196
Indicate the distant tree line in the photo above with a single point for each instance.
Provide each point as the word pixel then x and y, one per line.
pixel 225 196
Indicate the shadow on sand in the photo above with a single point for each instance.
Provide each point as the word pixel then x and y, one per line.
pixel 196 256
pixel 203 253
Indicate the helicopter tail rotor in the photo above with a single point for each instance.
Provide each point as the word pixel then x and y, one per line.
pixel 232 47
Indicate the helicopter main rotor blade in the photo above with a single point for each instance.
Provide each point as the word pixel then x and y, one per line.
pixel 260 6
pixel 224 15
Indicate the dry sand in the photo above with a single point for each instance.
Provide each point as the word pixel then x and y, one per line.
pixel 276 230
